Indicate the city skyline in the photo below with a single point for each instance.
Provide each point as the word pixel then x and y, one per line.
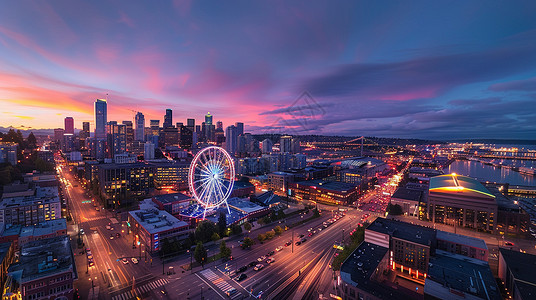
pixel 432 71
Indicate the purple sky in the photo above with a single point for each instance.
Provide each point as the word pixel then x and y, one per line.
pixel 463 69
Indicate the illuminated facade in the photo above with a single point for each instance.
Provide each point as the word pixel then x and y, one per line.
pixel 170 174
pixel 42 205
pixel 120 183
pixel 330 192
pixel 462 201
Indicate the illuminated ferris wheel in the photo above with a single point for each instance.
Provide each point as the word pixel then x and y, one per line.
pixel 211 177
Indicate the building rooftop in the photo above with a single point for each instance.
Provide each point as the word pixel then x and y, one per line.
pixel 11 229
pixel 523 268
pixel 241 185
pixel 457 183
pixel 170 198
pixel 42 195
pixel 44 228
pixel 407 194
pixel 405 231
pixel 170 163
pixel 268 198
pixel 357 162
pixel 461 239
pixel 244 205
pixel 127 165
pixel 464 274
pixel 328 185
pixel 154 220
pixel 44 258
pixel 3 250
pixel 359 267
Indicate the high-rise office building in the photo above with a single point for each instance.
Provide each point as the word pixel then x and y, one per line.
pixel 231 139
pixel 267 146
pixel 69 125
pixel 219 125
pixel 155 127
pixel 129 132
pixel 148 152
pixel 58 135
pixel 101 113
pixel 190 123
pixel 239 128
pixel 83 135
pixel 140 127
pixel 116 139
pixel 168 118
pixel 185 137
pixel 208 119
pixel 285 144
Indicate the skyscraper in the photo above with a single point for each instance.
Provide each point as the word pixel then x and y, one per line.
pixel 240 128
pixel 267 146
pixel 231 139
pixel 208 119
pixel 285 144
pixel 219 125
pixel 116 139
pixel 190 123
pixel 168 118
pixel 140 127
pixel 130 133
pixel 69 125
pixel 101 117
pixel 155 127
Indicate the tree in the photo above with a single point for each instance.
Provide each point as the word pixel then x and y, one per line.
pixel 235 229
pixel 278 230
pixel 225 252
pixel 270 234
pixel 204 231
pixel 222 223
pixel 200 254
pixel 261 237
pixel 247 226
pixel 215 236
pixel 248 242
pixel 31 141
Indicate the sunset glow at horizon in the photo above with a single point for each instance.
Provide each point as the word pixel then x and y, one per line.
pixel 412 70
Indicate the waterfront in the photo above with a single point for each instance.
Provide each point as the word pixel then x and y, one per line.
pixel 490 173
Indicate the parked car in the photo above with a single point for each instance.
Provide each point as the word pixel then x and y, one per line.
pixel 252 264
pixel 124 261
pixel 270 260
pixel 134 260
pixel 258 267
pixel 298 243
pixel 288 243
pixel 242 269
pixel 270 253
pixel 261 258
pixel 279 248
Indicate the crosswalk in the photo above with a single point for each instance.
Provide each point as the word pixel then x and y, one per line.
pixel 141 290
pixel 219 282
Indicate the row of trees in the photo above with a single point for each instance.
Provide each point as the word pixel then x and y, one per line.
pixel 270 234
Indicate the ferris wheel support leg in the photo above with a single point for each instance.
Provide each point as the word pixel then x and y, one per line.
pixel 228 209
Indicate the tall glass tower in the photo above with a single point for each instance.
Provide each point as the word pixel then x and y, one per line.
pixel 168 118
pixel 140 127
pixel 100 119
pixel 208 119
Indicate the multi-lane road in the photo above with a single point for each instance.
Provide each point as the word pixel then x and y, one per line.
pixel 303 269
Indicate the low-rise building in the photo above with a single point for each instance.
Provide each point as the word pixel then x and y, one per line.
pixel 7 251
pixel 329 192
pixel 452 276
pixel 45 270
pixel 171 174
pixel 31 207
pixel 242 189
pixel 409 200
pixel 120 184
pixel 462 244
pixel 151 226
pixel 172 203
pixel 517 270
